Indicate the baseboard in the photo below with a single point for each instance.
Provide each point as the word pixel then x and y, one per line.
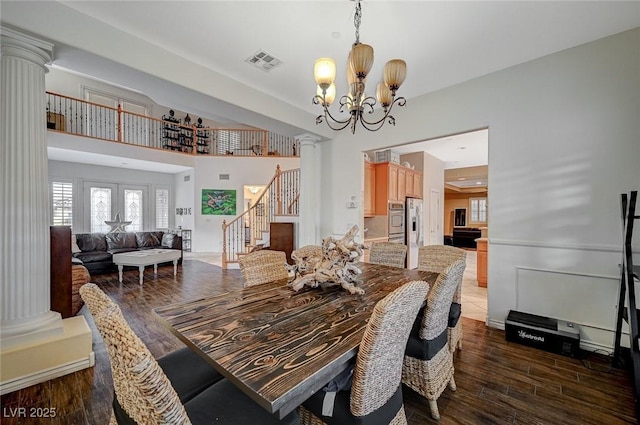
pixel 48 374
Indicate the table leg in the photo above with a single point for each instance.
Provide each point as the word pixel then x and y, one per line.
pixel 141 271
pixel 175 267
pixel 155 269
pixel 120 273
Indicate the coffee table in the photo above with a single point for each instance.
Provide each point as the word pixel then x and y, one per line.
pixel 146 258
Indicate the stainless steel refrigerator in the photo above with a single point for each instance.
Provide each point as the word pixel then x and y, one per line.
pixel 414 229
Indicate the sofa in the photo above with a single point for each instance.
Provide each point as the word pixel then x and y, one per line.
pixel 95 250
pixel 465 237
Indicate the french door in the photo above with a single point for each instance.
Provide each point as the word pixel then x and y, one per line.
pixel 103 201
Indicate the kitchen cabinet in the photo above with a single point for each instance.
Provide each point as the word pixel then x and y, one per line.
pixel 369 207
pixel 394 182
pixel 409 183
pixel 417 185
pixel 402 183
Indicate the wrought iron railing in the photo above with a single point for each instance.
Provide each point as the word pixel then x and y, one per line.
pixel 279 198
pixel 76 116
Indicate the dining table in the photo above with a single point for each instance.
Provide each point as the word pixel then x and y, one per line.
pixel 279 346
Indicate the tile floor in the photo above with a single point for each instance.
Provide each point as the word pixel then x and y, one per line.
pixel 474 298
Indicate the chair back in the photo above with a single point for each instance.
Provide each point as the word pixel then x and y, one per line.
pixel 263 266
pixel 142 389
pixel 388 254
pixel 436 314
pixel 306 257
pixel 95 299
pixel 378 370
pixel 436 258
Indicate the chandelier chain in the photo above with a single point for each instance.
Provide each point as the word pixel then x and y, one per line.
pixel 356 21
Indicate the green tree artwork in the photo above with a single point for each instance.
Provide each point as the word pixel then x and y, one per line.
pixel 218 202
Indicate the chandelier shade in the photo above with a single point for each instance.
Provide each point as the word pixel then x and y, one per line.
pixel 361 60
pixel 355 102
pixel 395 71
pixel 384 95
pixel 325 72
pixel 329 95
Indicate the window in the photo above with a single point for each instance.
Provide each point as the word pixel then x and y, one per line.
pixel 478 208
pixel 162 208
pixel 62 203
pixel 133 209
pixel 100 206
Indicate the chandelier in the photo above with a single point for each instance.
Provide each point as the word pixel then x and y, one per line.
pixel 356 102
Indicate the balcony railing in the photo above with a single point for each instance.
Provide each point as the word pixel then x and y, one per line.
pixel 76 116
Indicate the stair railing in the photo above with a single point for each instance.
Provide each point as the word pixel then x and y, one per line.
pixel 279 198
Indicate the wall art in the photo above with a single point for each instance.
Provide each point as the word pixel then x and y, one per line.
pixel 218 202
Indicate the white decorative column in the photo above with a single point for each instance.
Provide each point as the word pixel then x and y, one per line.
pixel 308 187
pixel 24 191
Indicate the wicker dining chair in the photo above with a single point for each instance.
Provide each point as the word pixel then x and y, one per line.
pixel 428 362
pixel 436 258
pixel 188 373
pixel 144 395
pixel 388 254
pixel 376 387
pixel 306 257
pixel 263 266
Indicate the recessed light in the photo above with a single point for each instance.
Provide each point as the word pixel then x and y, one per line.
pixel 336 35
pixel 462 147
pixel 461 178
pixel 478 182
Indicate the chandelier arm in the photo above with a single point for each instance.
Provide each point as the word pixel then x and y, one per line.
pixel 378 124
pixel 401 101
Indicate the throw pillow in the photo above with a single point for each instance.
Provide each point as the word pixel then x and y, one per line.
pixel 74 245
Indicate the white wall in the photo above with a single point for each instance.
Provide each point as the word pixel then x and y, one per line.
pixel 433 179
pixel 566 129
pixel 207 229
pixel 184 184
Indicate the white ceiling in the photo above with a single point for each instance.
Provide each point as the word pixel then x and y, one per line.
pixel 443 42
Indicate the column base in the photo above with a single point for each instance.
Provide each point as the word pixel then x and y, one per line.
pixel 18 332
pixel 31 363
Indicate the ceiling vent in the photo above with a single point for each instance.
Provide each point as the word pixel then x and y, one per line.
pixel 263 60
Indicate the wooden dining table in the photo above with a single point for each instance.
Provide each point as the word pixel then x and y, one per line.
pixel 279 346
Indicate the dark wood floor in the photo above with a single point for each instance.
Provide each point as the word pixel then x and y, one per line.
pixel 498 382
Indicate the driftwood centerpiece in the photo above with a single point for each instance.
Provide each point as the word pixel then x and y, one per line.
pixel 336 266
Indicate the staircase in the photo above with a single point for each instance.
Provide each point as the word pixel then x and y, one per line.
pixel 249 230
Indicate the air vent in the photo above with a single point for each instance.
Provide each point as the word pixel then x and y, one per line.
pixel 187 177
pixel 263 60
pixel 224 176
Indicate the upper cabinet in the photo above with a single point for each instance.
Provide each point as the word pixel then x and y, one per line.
pixel 393 183
pixel 369 189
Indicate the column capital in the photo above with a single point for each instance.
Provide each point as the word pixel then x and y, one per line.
pixel 307 139
pixel 25 47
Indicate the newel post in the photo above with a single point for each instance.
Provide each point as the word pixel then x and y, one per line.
pixel 119 123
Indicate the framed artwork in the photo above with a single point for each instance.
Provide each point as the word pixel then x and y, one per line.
pixel 218 202
pixel 460 217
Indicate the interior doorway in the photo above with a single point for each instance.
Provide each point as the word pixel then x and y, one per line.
pixel 455 176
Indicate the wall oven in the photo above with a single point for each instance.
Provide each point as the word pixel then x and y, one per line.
pixel 396 222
